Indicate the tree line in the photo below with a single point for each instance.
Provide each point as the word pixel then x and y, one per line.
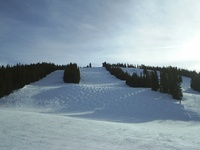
pixel 116 71
pixel 183 72
pixel 195 77
pixel 169 81
pixel 17 76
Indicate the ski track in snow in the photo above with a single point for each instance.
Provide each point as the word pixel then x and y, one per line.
pixel 101 112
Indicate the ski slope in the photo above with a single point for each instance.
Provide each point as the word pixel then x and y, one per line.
pixel 101 112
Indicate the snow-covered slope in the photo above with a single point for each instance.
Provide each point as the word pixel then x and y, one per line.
pixel 99 113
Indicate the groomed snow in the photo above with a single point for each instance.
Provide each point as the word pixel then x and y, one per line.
pixel 99 113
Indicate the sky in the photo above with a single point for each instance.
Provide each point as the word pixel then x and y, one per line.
pixel 150 32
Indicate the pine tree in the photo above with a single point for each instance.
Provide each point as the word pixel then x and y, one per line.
pixel 195 82
pixel 164 82
pixel 170 82
pixel 135 81
pixel 177 90
pixel 177 93
pixel 147 80
pixel 175 84
pixel 71 74
pixel 132 81
pixel 155 81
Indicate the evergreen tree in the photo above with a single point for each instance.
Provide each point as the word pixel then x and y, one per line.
pixel 135 80
pixel 175 85
pixel 147 79
pixel 164 82
pixel 170 82
pixel 177 93
pixel 155 81
pixel 195 82
pixel 71 74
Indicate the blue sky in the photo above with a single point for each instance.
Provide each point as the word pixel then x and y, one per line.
pixel 151 32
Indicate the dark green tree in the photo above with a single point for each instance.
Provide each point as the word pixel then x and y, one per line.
pixel 170 82
pixel 71 74
pixel 135 81
pixel 175 85
pixel 147 80
pixel 164 82
pixel 195 82
pixel 177 93
pixel 155 81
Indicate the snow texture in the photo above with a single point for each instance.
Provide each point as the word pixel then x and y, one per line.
pixel 101 112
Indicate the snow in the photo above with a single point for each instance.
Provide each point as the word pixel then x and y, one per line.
pixel 101 112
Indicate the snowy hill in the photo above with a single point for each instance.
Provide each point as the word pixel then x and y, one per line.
pixel 101 112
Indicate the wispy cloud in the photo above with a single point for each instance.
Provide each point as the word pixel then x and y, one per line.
pixel 99 30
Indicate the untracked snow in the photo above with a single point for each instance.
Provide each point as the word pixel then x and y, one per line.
pixel 101 112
